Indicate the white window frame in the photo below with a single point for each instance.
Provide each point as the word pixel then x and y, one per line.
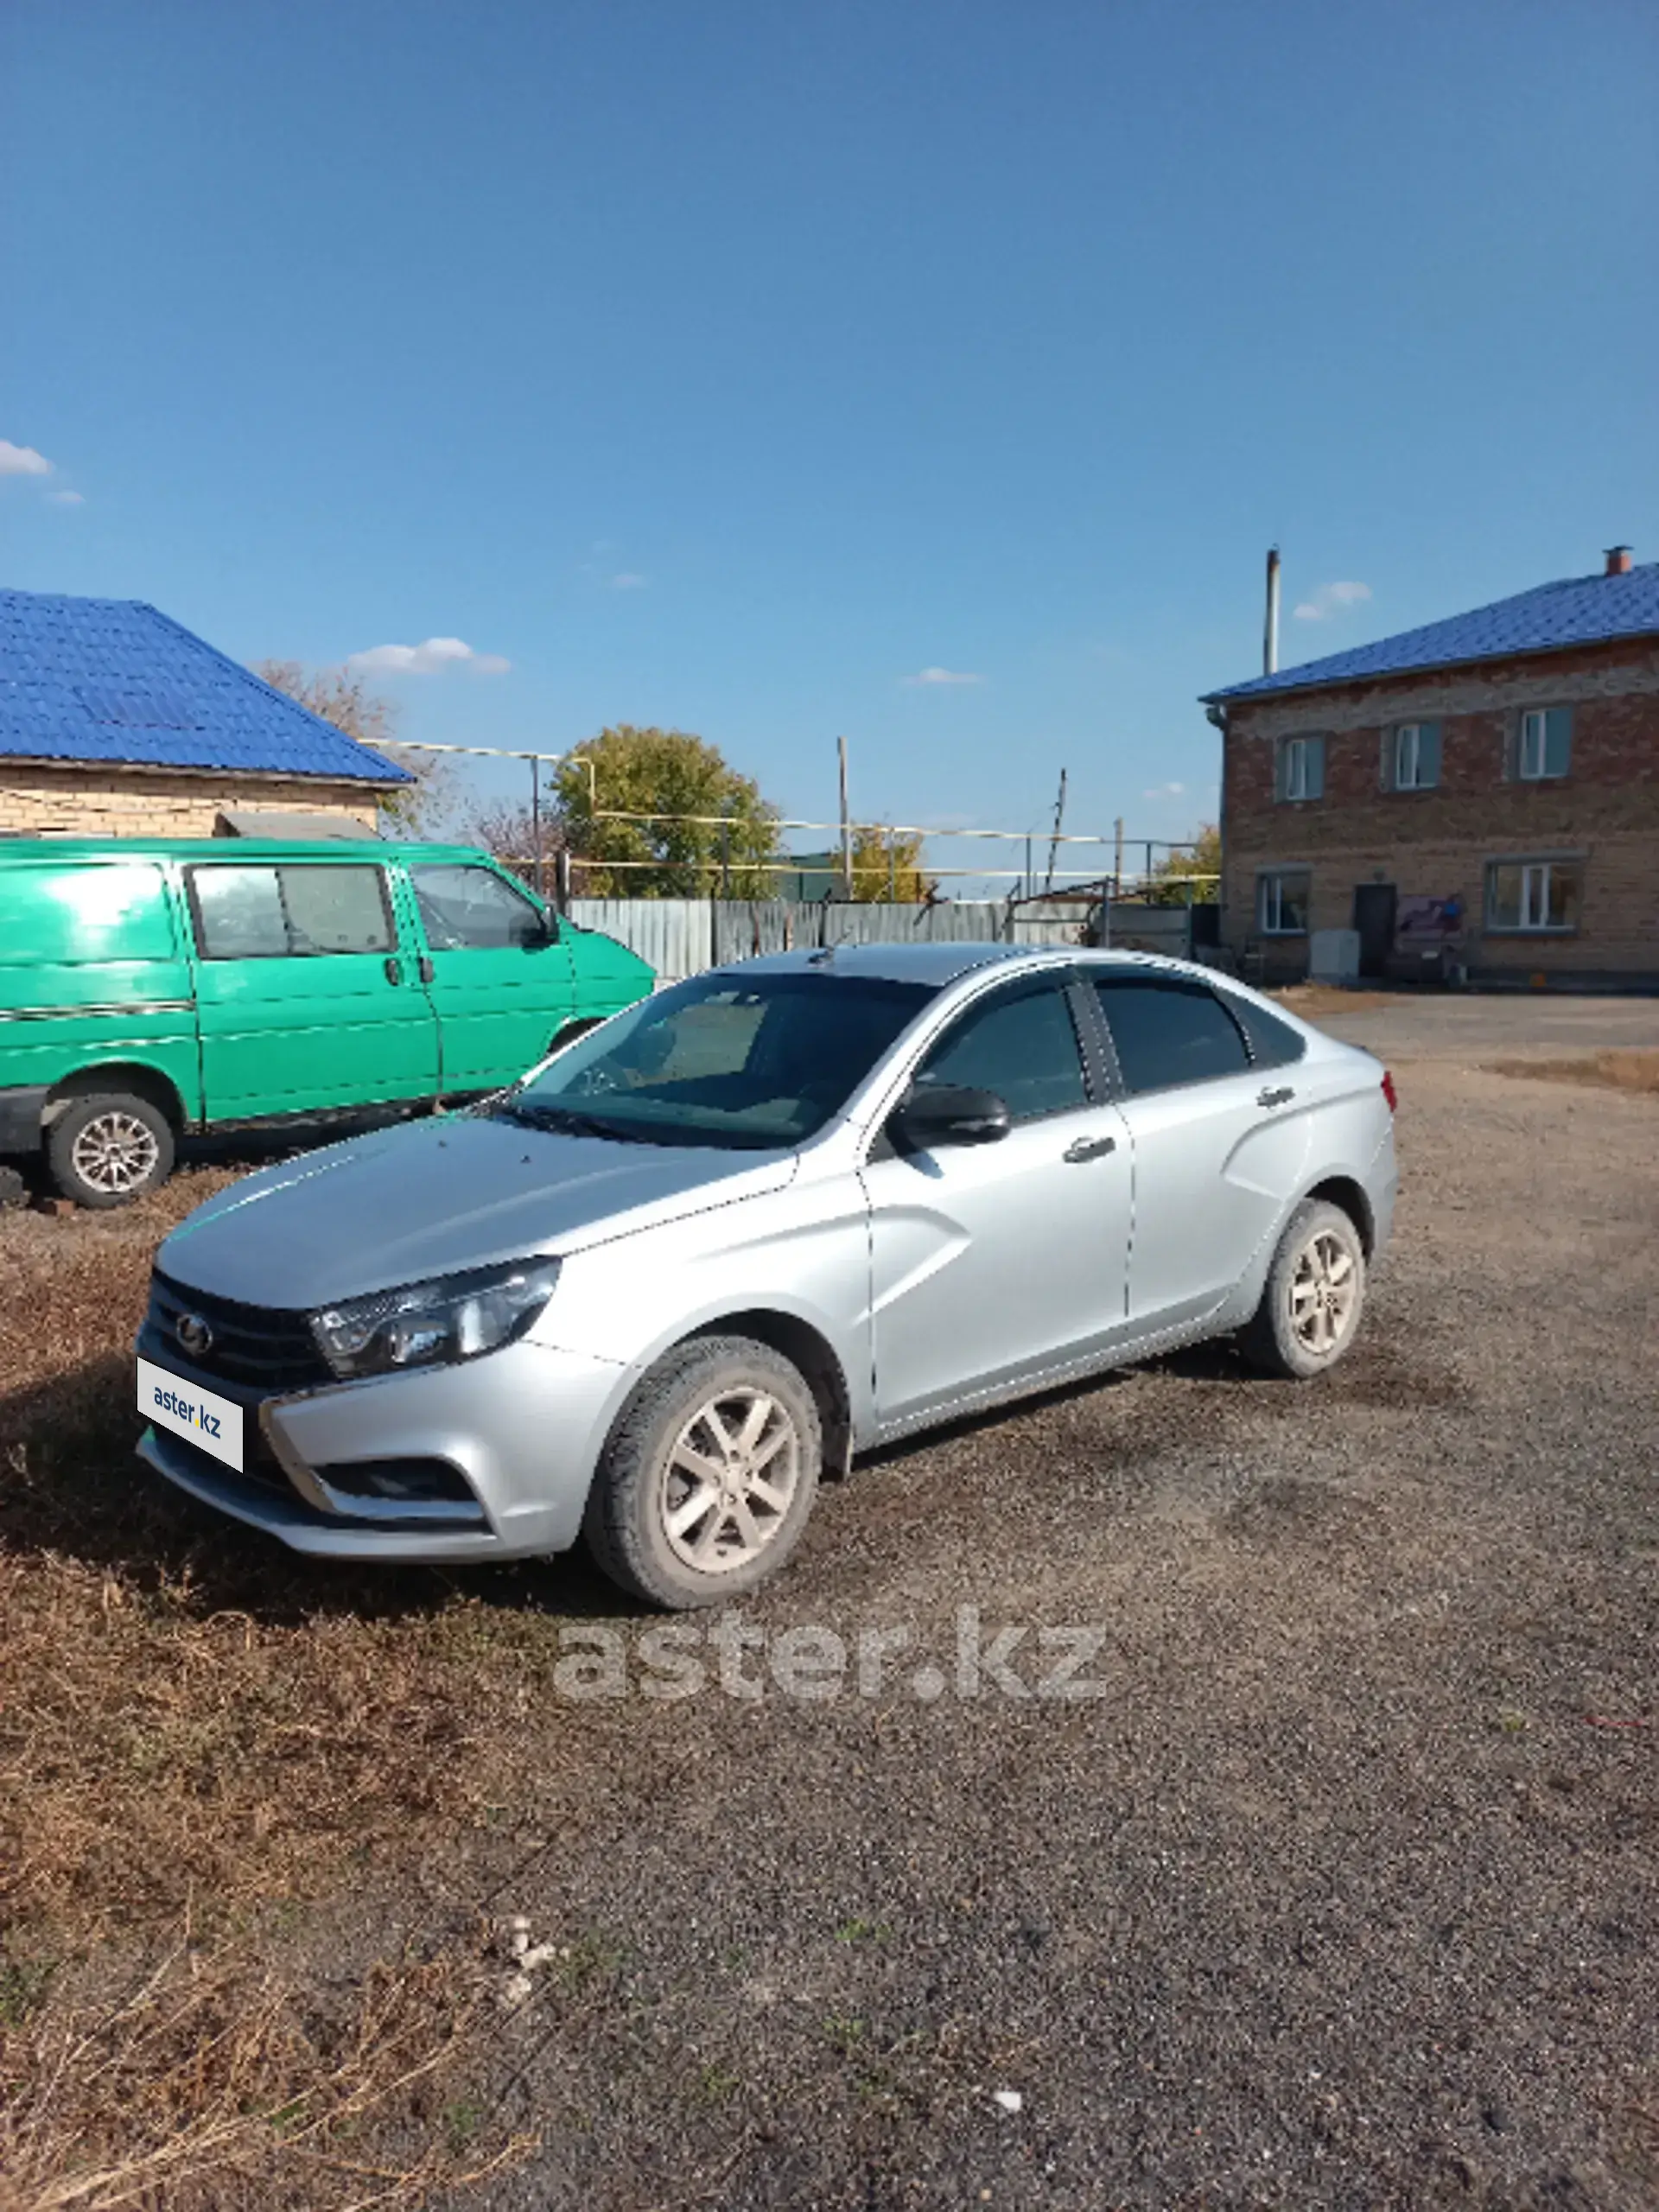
pixel 1295 778
pixel 1414 751
pixel 1270 897
pixel 1534 898
pixel 1534 724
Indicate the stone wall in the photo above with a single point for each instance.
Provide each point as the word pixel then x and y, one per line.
pixel 40 800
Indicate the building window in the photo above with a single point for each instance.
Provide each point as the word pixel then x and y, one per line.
pixel 1301 769
pixel 1415 757
pixel 1546 742
pixel 1535 897
pixel 1281 903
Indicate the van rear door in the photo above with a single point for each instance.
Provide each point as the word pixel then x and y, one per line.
pixel 92 972
pixel 307 1000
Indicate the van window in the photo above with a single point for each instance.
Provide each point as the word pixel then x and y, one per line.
pixel 99 911
pixel 290 912
pixel 472 908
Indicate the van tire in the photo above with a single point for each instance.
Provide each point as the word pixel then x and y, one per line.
pixel 640 1487
pixel 109 1147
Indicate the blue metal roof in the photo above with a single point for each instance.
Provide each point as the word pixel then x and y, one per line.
pixel 1579 611
pixel 115 680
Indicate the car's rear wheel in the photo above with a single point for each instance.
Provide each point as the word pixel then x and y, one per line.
pixel 707 1480
pixel 109 1149
pixel 1315 1295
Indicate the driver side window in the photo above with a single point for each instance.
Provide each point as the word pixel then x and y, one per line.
pixel 1022 1044
pixel 474 909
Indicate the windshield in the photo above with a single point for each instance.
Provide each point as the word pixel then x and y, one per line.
pixel 757 1061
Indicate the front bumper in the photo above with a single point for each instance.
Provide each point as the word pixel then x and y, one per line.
pixel 523 1426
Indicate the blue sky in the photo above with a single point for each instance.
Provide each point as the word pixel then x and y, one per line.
pixel 732 365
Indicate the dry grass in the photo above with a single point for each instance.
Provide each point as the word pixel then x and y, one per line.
pixel 217 2082
pixel 195 1733
pixel 1632 1071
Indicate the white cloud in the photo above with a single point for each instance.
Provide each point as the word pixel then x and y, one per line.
pixel 68 498
pixel 1328 599
pixel 427 659
pixel 21 460
pixel 1165 790
pixel 939 675
pixel 629 581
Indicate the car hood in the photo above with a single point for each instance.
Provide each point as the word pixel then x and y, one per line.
pixel 430 1196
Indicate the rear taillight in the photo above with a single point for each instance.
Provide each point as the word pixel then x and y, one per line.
pixel 1387 1092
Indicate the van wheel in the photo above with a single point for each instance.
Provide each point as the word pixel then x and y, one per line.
pixel 109 1149
pixel 707 1478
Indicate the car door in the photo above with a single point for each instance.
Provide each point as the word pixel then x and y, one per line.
pixel 498 973
pixel 1219 1144
pixel 305 998
pixel 993 1263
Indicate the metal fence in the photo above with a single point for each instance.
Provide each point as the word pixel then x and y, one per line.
pixel 682 936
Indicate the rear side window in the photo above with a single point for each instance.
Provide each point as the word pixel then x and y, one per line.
pixel 106 911
pixel 1168 1031
pixel 295 912
pixel 472 909
pixel 1023 1045
pixel 1273 1043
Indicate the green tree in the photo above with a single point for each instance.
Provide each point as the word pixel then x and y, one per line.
pixel 1201 857
pixel 340 697
pixel 690 825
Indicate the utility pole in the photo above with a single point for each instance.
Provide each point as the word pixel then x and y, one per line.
pixel 1117 859
pixel 846 822
pixel 536 819
pixel 1054 841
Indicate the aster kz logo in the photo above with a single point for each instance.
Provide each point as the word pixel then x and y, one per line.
pixel 193 1333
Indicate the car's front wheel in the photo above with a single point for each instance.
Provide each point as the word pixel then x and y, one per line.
pixel 1315 1295
pixel 707 1480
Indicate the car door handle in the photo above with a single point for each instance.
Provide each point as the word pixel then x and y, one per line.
pixel 1088 1149
pixel 1281 1097
pixel 394 971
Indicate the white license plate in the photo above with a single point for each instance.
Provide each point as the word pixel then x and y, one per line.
pixel 207 1420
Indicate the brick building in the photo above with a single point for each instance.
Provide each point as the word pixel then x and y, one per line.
pixel 117 722
pixel 1482 792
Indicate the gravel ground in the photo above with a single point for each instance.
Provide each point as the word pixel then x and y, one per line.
pixel 1344 1890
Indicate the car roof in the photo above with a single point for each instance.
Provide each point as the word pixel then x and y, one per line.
pixel 934 963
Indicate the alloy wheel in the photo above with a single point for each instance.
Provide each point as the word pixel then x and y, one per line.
pixel 1323 1294
pixel 116 1153
pixel 729 1480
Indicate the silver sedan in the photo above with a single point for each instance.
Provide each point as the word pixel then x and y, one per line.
pixel 773 1217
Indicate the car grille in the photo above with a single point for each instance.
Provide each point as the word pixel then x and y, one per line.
pixel 264 1347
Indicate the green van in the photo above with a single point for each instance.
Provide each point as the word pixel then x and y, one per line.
pixel 148 988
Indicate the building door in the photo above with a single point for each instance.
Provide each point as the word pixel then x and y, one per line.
pixel 1374 905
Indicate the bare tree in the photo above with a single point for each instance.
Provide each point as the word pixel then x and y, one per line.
pixel 340 697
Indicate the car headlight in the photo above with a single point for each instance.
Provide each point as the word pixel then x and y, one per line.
pixel 456 1317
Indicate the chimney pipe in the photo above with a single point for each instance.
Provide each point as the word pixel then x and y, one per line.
pixel 1270 628
pixel 1618 560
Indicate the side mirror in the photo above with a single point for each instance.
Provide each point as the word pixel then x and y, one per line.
pixel 932 1113
pixel 549 933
